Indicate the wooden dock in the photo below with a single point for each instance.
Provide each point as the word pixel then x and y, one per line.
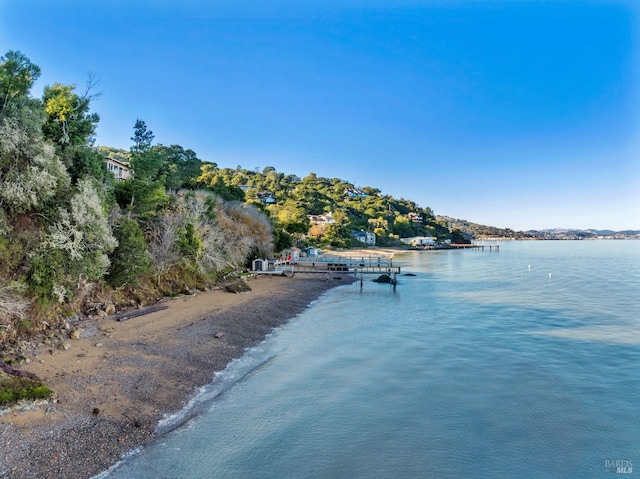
pixel 337 265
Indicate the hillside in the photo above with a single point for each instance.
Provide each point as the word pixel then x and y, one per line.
pixel 477 231
pixel 323 211
pixel 576 234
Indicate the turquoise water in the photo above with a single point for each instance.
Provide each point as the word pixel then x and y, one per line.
pixel 480 366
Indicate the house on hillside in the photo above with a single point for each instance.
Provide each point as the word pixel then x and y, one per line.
pixel 415 217
pixel 365 237
pixel 323 219
pixel 119 168
pixel 355 193
pixel 266 197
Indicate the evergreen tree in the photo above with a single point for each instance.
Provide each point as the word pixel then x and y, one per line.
pixel 130 260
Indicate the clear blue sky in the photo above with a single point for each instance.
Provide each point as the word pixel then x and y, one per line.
pixel 520 114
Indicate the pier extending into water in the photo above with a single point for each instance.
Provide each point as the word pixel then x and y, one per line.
pixel 490 247
pixel 346 263
pixel 335 265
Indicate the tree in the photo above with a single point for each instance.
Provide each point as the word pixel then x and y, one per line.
pixel 84 162
pixel 144 193
pixel 30 172
pixel 281 240
pixel 82 231
pixel 70 126
pixel 17 76
pixel 290 216
pixel 130 260
pixel 213 179
pixel 402 226
pixel 457 237
pixel 179 166
pixel 69 122
pixel 75 247
pixel 142 137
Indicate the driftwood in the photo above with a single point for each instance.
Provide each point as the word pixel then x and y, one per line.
pixel 139 312
pixel 15 372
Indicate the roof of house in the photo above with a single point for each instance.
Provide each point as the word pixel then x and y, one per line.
pixel 118 162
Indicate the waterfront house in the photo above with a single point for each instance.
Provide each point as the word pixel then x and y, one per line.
pixel 293 251
pixel 419 241
pixel 312 251
pixel 365 237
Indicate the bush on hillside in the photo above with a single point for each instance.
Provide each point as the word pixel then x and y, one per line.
pixel 130 259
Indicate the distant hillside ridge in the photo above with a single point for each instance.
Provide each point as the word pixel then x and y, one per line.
pixel 566 233
pixel 477 231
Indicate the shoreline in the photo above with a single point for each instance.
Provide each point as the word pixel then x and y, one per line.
pixel 119 379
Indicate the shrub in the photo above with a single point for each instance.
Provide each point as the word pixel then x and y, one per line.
pixel 47 267
pixel 14 389
pixel 13 304
pixel 130 259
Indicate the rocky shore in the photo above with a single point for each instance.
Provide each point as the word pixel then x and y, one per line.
pixel 114 380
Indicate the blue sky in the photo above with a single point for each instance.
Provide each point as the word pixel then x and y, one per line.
pixel 520 114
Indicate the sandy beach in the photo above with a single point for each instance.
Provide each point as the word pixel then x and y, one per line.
pixel 118 379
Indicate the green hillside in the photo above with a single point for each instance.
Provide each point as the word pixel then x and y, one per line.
pixel 290 201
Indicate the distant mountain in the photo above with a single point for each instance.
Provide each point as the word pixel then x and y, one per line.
pixel 477 231
pixel 565 233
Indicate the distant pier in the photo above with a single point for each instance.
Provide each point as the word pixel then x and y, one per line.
pixel 490 247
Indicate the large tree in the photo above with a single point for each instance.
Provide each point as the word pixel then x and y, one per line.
pixel 17 76
pixel 144 193
pixel 70 126
pixel 69 121
pixel 180 167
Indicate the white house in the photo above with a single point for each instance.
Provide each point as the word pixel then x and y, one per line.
pixel 365 237
pixel 325 218
pixel 419 240
pixel 293 252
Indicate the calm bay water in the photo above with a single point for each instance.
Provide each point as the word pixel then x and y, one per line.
pixel 480 366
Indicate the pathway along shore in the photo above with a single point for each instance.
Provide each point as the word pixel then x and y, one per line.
pixel 119 378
